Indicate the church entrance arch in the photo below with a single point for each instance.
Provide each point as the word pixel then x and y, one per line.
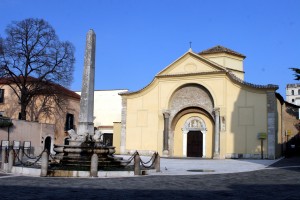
pixel 190 107
pixel 194 137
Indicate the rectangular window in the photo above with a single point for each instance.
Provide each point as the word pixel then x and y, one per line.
pixel 108 139
pixel 1 95
pixel 69 122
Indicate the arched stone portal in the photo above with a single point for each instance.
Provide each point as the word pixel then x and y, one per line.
pixel 194 138
pixel 189 98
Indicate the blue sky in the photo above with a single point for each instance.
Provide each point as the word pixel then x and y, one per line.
pixel 137 38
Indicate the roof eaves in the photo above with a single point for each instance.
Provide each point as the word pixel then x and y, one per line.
pixel 190 74
pixel 238 80
pixel 137 91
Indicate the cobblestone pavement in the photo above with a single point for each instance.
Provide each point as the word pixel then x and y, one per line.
pixel 279 181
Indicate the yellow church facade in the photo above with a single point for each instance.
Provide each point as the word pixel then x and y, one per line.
pixel 200 106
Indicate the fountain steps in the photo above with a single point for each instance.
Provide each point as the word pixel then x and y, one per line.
pixel 77 156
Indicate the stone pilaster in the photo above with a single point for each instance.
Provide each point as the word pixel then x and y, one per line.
pixel 272 124
pixel 217 133
pixel 166 115
pixel 86 114
pixel 123 126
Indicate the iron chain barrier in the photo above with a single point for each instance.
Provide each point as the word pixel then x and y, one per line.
pixel 153 159
pixel 27 164
pixel 16 153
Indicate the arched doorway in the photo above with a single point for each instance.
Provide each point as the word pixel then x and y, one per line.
pixel 194 137
pixel 190 109
pixel 194 144
pixel 47 144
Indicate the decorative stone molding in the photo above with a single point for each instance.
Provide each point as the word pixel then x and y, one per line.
pixel 191 95
pixel 194 124
pixel 216 111
pixel 166 114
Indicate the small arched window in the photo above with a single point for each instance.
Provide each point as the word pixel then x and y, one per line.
pixel 293 100
pixel 292 92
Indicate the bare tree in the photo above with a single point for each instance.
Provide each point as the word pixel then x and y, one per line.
pixel 1 52
pixel 33 50
pixel 48 104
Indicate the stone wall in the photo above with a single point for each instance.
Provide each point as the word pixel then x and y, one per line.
pixel 291 126
pixel 123 126
pixel 34 132
pixel 272 124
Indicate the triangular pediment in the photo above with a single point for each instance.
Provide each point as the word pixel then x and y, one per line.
pixel 191 63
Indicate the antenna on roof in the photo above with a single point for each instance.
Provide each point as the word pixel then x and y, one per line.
pixel 190 50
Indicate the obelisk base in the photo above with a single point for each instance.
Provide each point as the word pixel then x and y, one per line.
pixel 85 127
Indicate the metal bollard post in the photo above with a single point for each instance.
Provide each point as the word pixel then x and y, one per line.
pixel 94 166
pixel 157 162
pixel 44 163
pixel 137 167
pixel 3 156
pixel 11 157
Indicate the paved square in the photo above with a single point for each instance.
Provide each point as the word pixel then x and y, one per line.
pixel 279 181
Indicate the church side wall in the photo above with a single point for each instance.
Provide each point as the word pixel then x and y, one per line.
pixel 246 114
pixel 117 136
pixel 142 123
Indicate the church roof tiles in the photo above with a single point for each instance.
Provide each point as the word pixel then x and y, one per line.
pixel 57 87
pixel 221 49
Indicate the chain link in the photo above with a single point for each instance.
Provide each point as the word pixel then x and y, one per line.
pixel 130 159
pixel 16 155
pixel 153 159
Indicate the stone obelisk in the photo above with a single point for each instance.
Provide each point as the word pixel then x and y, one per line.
pixel 86 114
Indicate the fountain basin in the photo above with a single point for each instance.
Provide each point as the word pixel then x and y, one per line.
pixel 108 150
pixel 78 154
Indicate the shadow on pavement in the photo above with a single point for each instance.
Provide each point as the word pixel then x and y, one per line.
pixel 290 163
